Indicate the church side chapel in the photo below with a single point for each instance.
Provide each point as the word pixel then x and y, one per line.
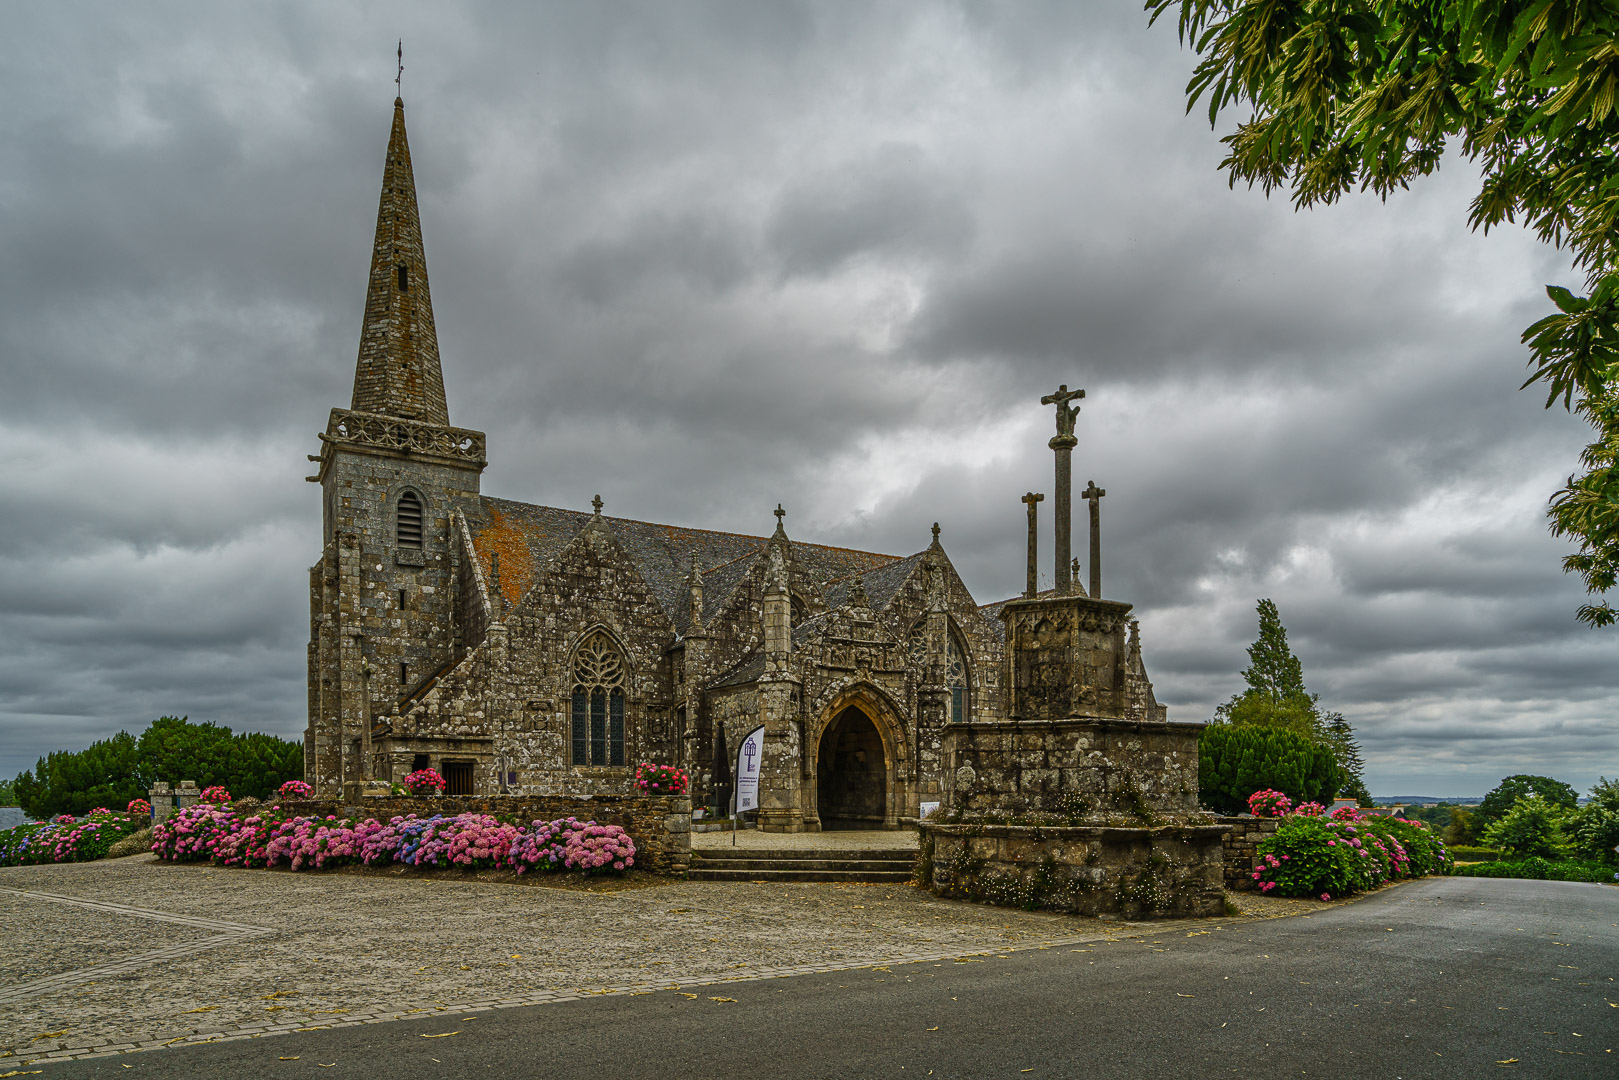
pixel 536 650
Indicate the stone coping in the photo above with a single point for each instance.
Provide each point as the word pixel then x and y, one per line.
pixel 1112 723
pixel 1070 832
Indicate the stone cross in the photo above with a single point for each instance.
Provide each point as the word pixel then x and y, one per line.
pixel 1094 495
pixel 780 513
pixel 1032 501
pixel 935 532
pixel 596 502
pixel 1063 445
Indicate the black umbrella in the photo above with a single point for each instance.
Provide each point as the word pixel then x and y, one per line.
pixel 722 772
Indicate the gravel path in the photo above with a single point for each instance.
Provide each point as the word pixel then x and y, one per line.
pixel 278 951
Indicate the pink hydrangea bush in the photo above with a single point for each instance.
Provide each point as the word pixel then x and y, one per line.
pixel 192 834
pixel 424 782
pixel 294 789
pixel 599 848
pixel 1311 855
pixel 217 795
pixel 651 779
pixel 467 841
pixel 139 806
pixel 1269 803
pixel 544 845
pixel 1346 813
pixel 1310 809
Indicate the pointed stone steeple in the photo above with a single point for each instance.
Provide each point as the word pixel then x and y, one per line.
pixel 398 373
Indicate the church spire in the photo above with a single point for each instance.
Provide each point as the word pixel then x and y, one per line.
pixel 398 373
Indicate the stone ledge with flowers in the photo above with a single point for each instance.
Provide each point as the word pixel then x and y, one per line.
pixel 659 825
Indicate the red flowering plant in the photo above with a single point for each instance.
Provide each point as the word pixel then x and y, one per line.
pixel 139 806
pixel 1346 813
pixel 424 782
pixel 1310 809
pixel 294 789
pixel 1269 803
pixel 216 795
pixel 654 779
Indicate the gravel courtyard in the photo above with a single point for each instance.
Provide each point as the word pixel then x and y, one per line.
pixel 134 953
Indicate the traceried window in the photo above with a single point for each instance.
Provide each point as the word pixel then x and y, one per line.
pixel 408 521
pixel 955 668
pixel 598 702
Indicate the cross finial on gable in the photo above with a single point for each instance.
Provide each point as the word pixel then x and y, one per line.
pixel 780 513
pixel 935 532
pixel 400 74
pixel 596 501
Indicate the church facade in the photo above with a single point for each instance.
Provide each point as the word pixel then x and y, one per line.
pixel 531 650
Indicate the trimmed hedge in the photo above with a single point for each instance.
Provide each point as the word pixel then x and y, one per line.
pixel 1234 761
pixel 1538 869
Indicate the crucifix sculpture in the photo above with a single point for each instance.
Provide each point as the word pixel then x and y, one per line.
pixel 1093 495
pixel 1063 444
pixel 596 502
pixel 1032 500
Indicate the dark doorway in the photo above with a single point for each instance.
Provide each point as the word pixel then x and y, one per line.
pixel 852 776
pixel 458 778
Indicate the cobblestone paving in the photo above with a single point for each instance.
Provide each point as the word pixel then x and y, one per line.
pixel 335 949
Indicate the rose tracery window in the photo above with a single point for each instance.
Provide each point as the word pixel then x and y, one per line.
pixel 598 702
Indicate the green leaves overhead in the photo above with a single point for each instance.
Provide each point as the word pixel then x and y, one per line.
pixel 1368 94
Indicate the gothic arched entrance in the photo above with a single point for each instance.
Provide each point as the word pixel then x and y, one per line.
pixel 851 783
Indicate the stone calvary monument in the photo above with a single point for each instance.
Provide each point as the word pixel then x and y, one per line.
pixel 533 651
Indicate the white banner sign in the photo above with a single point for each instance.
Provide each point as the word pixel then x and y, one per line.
pixel 749 756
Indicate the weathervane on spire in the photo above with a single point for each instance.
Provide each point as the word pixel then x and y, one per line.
pixel 400 74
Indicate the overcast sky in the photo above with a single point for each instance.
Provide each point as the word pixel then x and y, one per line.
pixel 703 258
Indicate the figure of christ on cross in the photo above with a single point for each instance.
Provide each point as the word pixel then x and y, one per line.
pixel 1065 415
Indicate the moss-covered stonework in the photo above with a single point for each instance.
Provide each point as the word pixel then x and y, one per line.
pixel 1242 839
pixel 1169 871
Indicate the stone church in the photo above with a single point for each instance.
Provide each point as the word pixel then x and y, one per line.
pixel 533 649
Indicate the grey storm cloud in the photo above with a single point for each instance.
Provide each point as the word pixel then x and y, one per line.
pixel 702 258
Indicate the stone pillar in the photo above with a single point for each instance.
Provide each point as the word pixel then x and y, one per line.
pixel 1032 500
pixel 781 780
pixel 1063 444
pixel 1093 495
pixel 186 795
pixel 162 800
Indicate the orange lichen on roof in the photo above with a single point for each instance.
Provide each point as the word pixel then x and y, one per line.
pixel 516 565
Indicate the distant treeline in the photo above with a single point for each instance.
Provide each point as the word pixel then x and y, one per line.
pixel 113 771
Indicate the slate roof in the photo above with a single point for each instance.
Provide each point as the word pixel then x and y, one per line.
pixel 527 537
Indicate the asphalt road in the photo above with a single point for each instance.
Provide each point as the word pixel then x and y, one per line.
pixel 1453 977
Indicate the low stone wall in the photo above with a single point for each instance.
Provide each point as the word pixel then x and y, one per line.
pixel 659 825
pixel 1081 767
pixel 1242 839
pixel 1165 871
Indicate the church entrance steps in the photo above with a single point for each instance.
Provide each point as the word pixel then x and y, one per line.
pixel 863 864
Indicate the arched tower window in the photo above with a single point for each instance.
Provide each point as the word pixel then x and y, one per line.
pixel 956 678
pixel 598 702
pixel 408 521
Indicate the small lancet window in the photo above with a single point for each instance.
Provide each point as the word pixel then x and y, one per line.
pixel 404 278
pixel 408 521
pixel 598 703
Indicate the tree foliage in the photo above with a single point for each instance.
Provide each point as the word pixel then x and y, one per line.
pixel 1593 829
pixel 113 771
pixel 1368 94
pixel 1277 698
pixel 1236 761
pixel 1501 798
pixel 1530 828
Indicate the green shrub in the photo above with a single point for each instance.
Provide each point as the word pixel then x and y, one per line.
pixel 1541 870
pixel 1593 829
pixel 1234 761
pixel 1530 828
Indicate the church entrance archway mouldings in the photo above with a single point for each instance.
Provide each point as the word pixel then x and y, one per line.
pixel 857 754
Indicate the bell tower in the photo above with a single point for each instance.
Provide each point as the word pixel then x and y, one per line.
pixel 390 469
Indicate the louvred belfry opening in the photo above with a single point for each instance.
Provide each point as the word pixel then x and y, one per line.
pixel 408 529
pixel 398 373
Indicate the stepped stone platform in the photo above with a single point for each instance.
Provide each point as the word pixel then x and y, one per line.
pixel 857 855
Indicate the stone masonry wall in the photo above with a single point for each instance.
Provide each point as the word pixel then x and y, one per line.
pixel 1242 839
pixel 1075 768
pixel 659 825
pixel 1138 873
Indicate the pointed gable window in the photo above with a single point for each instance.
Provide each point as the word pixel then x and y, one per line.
pixel 598 702
pixel 408 521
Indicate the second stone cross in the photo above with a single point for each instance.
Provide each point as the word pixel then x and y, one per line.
pixel 1063 444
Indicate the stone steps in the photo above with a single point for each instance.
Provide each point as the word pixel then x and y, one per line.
pixel 887 865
